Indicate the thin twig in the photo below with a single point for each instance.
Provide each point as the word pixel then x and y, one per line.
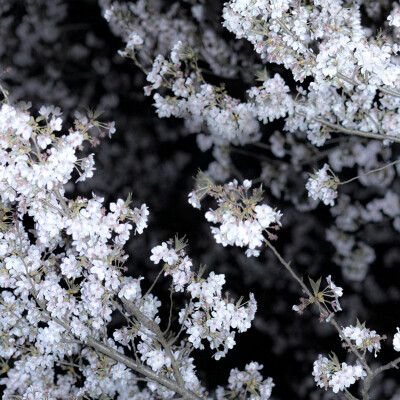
pixel 154 283
pixel 307 291
pixel 369 172
pixel 171 303
pixel 173 340
pixel 150 324
pixel 355 132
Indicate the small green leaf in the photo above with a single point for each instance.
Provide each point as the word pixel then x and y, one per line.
pixel 180 243
pixel 203 184
pixel 239 302
pixel 202 269
pixel 315 285
pixel 334 358
pixel 262 76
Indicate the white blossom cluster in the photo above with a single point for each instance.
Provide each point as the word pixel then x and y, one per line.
pixel 182 91
pixel 243 221
pixel 62 281
pixel 394 17
pixel 209 315
pixel 39 286
pixel 363 338
pixel 396 341
pixel 248 381
pixel 176 265
pixel 322 185
pixel 235 231
pixel 197 104
pixel 213 317
pixel 227 119
pixel 330 374
pixel 62 260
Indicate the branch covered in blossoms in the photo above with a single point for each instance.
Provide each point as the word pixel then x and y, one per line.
pixel 63 280
pixel 328 373
pixel 273 90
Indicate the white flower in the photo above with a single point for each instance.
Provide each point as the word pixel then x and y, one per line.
pixel 157 359
pixel 323 186
pixel 394 17
pixel 265 215
pixel 56 124
pixel 175 52
pixel 158 252
pixel 193 200
pixel 247 183
pixel 396 340
pixel 131 290
pixel 134 41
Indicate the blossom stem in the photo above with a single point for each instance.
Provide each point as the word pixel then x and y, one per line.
pixel 154 283
pixel 390 92
pixel 176 337
pixel 171 305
